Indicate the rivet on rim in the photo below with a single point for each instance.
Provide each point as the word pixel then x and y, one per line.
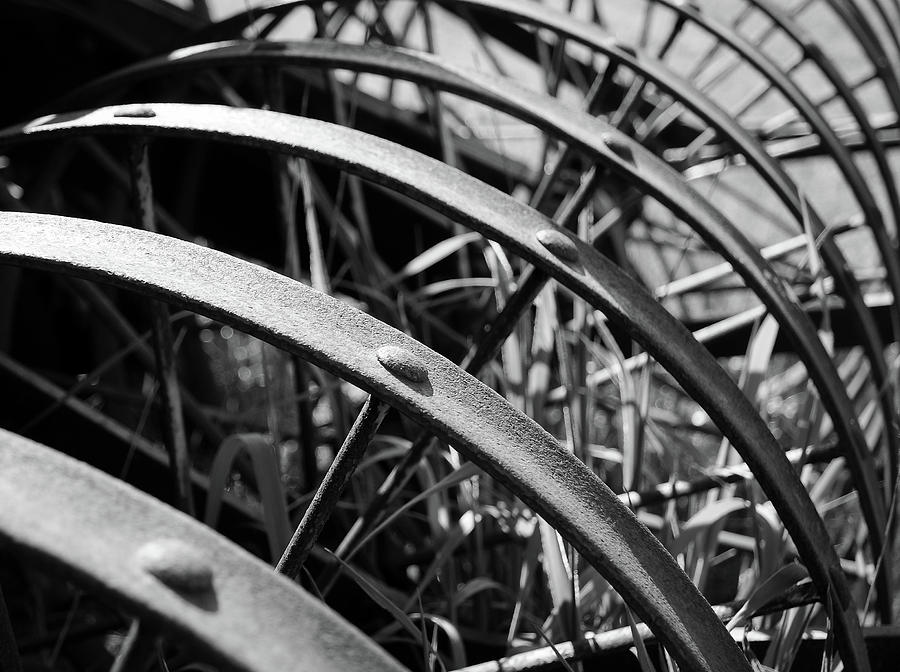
pixel 178 565
pixel 402 363
pixel 140 111
pixel 619 145
pixel 558 243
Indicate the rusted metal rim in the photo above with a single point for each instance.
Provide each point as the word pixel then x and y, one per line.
pixel 817 122
pixel 590 135
pixel 166 568
pixel 497 216
pixel 605 286
pixel 449 402
pixel 791 28
pixel 812 52
pixel 867 38
pixel 890 19
pixel 487 210
pixel 794 26
pixel 594 38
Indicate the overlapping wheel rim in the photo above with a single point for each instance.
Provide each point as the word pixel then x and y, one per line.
pixel 478 214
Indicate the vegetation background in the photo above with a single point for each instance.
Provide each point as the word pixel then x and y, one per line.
pixel 442 564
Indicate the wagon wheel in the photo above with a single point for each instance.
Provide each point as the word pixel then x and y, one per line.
pixel 660 187
pixel 720 125
pixel 170 574
pixel 722 131
pixel 467 201
pixel 776 66
pixel 420 383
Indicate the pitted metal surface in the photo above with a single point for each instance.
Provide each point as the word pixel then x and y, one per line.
pixel 449 402
pixel 514 225
pixel 636 164
pixel 167 569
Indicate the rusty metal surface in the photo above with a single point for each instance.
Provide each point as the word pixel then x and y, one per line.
pixel 516 226
pixel 167 569
pixel 573 126
pixel 851 429
pixel 590 135
pixel 448 401
pixel 647 172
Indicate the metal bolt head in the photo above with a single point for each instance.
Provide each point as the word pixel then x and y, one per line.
pixel 620 146
pixel 140 111
pixel 177 564
pixel 558 244
pixel 402 362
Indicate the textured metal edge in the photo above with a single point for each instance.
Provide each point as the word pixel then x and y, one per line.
pixel 159 565
pixel 449 402
pixel 515 225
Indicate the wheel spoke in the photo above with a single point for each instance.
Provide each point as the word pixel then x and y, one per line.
pixel 449 402
pixel 329 491
pixel 677 228
pixel 136 649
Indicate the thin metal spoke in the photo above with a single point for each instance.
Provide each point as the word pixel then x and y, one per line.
pixel 381 27
pixel 732 474
pixel 702 279
pixel 167 223
pixel 624 115
pixel 341 116
pixel 554 64
pixel 728 67
pixel 571 207
pixel 338 18
pixel 136 650
pixel 712 52
pixel 754 97
pixel 329 492
pixel 488 342
pixel 449 155
pixel 163 343
pixel 864 81
pixel 121 328
pixel 666 112
pixel 483 41
pixel 117 323
pixel 696 145
pixel 595 95
pixel 647 23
